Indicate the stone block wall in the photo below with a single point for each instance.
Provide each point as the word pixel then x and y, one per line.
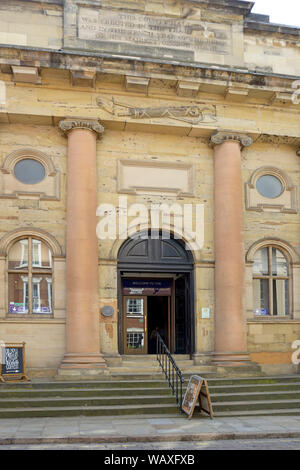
pixel 25 23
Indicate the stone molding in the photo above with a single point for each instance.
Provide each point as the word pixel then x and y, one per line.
pixel 293 255
pixel 220 137
pixel 11 237
pixel 67 125
pixel 25 152
pixel 286 202
pixel 47 189
pixel 135 176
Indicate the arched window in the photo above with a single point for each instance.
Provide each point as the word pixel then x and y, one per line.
pixel 30 277
pixel 271 282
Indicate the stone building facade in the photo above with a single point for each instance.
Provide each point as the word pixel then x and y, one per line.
pixel 123 119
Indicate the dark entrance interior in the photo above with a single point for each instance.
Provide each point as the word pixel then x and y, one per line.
pixel 158 319
pixel 145 256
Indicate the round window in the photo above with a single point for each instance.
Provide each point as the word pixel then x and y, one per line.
pixel 269 186
pixel 29 171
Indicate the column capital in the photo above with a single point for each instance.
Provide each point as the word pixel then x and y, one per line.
pixel 67 125
pixel 228 136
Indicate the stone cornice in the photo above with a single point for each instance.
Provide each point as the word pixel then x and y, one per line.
pixel 67 125
pixel 227 136
pixel 259 26
pixel 103 63
pixel 276 139
pixel 238 6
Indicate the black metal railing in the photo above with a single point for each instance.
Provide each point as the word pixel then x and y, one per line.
pixel 170 369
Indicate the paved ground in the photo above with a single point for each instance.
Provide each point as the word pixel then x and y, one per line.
pixel 112 431
pixel 183 447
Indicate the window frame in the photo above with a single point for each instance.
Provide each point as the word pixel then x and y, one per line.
pixel 271 277
pixel 31 271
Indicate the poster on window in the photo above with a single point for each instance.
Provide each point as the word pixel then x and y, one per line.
pixel 17 307
pixel 261 311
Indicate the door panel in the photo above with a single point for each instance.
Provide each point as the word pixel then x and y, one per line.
pixel 182 316
pixel 135 324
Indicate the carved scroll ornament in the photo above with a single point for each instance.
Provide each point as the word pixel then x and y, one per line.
pixel 193 114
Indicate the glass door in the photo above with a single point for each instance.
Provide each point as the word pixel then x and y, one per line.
pixel 135 324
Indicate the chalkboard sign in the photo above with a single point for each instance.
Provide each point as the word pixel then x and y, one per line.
pixel 12 365
pixel 197 389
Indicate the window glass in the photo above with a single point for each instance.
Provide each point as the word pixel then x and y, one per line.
pixel 280 297
pixel 261 262
pixel 261 297
pixel 269 186
pixel 41 255
pixel 135 338
pixel 18 293
pixel 134 306
pixel 30 277
pixel 29 171
pixel 271 282
pixel 42 294
pixel 279 263
pixel 18 255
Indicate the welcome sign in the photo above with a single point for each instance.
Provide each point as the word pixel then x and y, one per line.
pixel 146 287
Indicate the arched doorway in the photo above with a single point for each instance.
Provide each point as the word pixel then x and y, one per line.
pixel 155 291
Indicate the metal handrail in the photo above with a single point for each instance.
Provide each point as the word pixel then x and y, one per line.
pixel 172 372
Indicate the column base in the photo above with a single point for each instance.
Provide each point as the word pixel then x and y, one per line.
pixel 82 367
pixel 238 362
pixel 203 358
pixel 83 361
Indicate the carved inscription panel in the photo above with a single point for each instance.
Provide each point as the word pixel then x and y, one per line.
pixel 129 33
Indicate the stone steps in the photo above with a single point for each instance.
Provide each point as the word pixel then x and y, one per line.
pixel 256 413
pixel 94 401
pixel 255 396
pixel 67 411
pixel 142 393
pixel 86 392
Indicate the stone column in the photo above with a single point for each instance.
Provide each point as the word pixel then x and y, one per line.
pixel 82 322
pixel 230 321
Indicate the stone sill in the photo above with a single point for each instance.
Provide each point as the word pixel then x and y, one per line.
pixel 274 319
pixel 31 319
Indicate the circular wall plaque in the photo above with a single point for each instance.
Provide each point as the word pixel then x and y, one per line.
pixel 107 311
